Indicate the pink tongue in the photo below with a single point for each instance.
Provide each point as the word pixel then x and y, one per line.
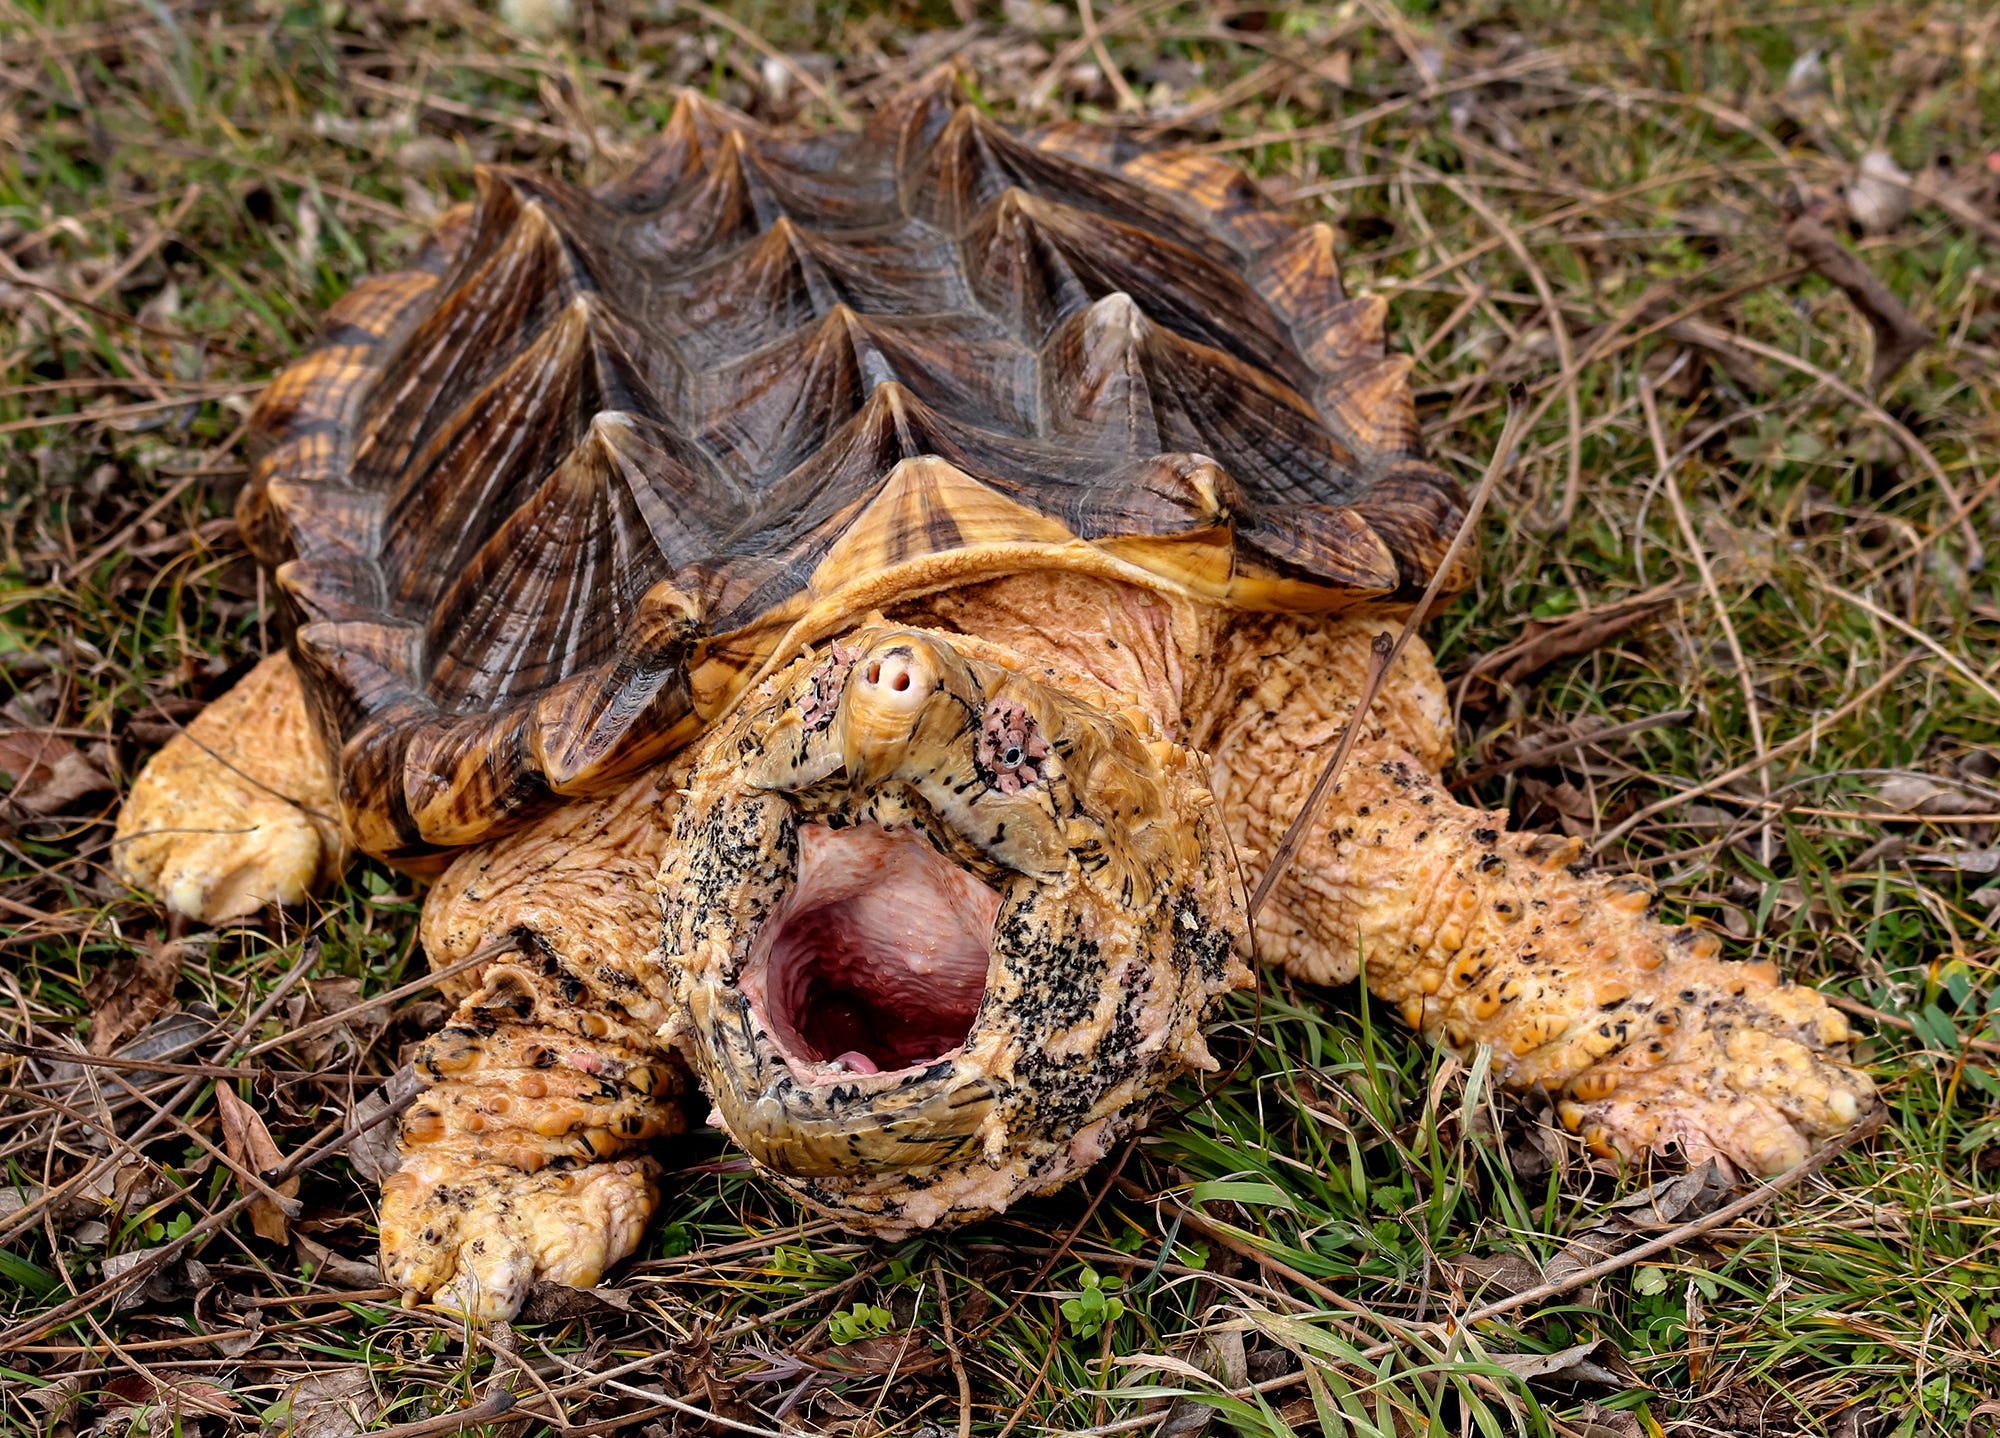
pixel 856 1063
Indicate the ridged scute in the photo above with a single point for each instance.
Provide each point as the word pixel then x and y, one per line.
pixel 544 504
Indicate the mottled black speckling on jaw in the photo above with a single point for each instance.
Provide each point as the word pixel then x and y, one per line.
pixel 1200 942
pixel 734 858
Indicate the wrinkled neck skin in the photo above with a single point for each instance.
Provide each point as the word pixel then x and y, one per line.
pixel 946 902
pixel 1116 646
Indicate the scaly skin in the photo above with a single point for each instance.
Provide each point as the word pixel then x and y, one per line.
pixel 522 1160
pixel 1641 1033
pixel 235 813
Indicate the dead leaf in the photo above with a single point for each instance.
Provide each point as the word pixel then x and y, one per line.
pixel 335 1270
pixel 1920 794
pixel 57 1394
pixel 1545 642
pixel 1589 1362
pixel 45 773
pixel 323 998
pixel 1218 1358
pixel 558 1302
pixel 1966 861
pixel 174 1279
pixel 154 726
pixel 249 1143
pixel 374 1152
pixel 870 1355
pixel 1879 198
pixel 338 1403
pixel 1599 1422
pixel 1898 334
pixel 1672 1201
pixel 1495 1276
pixel 131 994
pixel 1718 343
pixel 250 1333
pixel 168 1039
pixel 1571 806
pixel 176 1393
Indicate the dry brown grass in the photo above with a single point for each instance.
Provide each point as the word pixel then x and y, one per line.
pixel 1733 628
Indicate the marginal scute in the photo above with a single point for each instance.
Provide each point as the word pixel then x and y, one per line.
pixel 620 718
pixel 323 388
pixel 1301 278
pixel 1221 196
pixel 355 670
pixel 1370 400
pixel 1417 510
pixel 1091 145
pixel 1319 540
pixel 305 515
pixel 780 376
pixel 334 587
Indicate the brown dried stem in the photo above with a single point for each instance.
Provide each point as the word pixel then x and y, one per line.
pixel 1898 335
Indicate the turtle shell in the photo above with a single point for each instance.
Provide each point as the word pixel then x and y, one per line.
pixel 543 505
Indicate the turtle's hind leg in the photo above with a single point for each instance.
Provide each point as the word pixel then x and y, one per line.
pixel 238 811
pixel 1641 1034
pixel 525 1159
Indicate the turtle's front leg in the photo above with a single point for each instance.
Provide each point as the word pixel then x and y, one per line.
pixel 525 1158
pixel 1640 1033
pixel 237 812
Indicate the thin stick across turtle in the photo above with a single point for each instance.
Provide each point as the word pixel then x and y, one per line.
pixel 846 616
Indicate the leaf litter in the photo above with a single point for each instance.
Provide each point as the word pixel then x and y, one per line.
pixel 196 186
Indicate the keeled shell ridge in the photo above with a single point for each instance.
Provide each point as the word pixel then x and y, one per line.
pixel 543 503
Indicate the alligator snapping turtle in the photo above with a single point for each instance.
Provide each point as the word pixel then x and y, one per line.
pixel 849 613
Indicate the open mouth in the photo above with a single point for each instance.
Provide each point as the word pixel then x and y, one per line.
pixel 877 960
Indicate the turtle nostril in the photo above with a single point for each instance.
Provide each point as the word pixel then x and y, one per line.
pixel 897 673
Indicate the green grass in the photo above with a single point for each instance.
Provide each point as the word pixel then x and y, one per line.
pixel 183 189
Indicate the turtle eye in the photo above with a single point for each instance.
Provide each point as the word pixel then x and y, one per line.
pixel 1009 746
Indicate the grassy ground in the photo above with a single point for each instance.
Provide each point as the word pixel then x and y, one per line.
pixel 1587 203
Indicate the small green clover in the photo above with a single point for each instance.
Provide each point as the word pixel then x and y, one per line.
pixel 173 1228
pixel 1094 1309
pixel 677 1240
pixel 795 1261
pixel 864 1320
pixel 1650 1281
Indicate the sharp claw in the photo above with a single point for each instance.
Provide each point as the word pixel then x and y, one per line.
pixel 491 1282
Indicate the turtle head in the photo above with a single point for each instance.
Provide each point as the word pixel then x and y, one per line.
pixel 938 931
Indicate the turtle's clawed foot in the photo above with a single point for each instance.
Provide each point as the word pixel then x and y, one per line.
pixel 237 812
pixel 1736 1066
pixel 521 1162
pixel 476 1237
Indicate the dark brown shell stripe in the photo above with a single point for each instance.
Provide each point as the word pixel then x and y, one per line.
pixel 543 504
